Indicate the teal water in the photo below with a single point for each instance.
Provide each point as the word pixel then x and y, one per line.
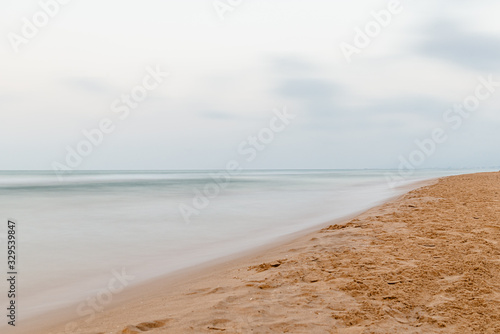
pixel 73 234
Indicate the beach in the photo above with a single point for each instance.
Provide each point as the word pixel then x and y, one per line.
pixel 234 166
pixel 132 230
pixel 424 263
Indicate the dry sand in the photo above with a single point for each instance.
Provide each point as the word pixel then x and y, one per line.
pixel 426 263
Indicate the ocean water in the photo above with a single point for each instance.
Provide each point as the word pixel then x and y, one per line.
pixel 74 235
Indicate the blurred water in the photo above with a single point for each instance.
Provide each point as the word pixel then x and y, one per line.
pixel 73 234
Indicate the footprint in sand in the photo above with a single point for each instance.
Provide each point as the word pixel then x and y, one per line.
pixel 145 326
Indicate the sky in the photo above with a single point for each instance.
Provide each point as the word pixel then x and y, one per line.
pixel 233 65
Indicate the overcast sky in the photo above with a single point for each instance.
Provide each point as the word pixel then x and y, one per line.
pixel 228 75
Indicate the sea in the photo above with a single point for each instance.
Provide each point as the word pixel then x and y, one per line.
pixel 77 234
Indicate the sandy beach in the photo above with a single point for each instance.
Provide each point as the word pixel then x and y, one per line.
pixel 232 166
pixel 427 262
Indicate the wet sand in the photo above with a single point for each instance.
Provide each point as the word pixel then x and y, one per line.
pixel 428 262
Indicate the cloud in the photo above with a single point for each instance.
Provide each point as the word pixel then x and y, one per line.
pixel 319 97
pixel 217 115
pixel 88 85
pixel 474 50
pixel 308 89
pixel 427 107
pixel 302 80
pixel 290 65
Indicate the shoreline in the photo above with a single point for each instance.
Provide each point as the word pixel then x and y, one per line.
pixel 54 322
